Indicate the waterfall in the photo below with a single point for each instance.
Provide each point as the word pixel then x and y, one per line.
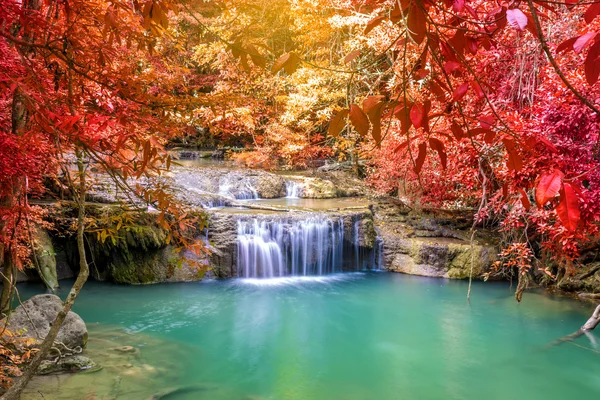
pixel 275 248
pixel 292 189
pixel 244 192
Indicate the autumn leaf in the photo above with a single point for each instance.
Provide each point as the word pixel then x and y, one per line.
pixel 416 23
pixel 280 62
pixel 351 56
pixel 420 158
pixel 416 115
pixel 337 123
pixel 548 187
pixel 525 199
pixel 516 18
pixel 289 62
pixel 515 162
pixel 592 12
pixel 583 41
pixel 372 24
pixel 568 209
pixel 359 120
pixel 592 64
pixel 438 146
pixel 460 92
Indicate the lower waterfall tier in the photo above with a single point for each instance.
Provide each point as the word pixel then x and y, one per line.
pixel 316 245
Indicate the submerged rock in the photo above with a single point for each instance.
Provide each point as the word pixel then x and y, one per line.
pixel 34 319
pixel 67 364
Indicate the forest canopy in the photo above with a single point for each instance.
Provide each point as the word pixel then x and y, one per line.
pixel 482 105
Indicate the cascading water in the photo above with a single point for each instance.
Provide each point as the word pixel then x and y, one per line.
pixel 288 247
pixel 246 192
pixel 292 190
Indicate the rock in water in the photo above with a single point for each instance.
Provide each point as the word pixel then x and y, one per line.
pixel 67 364
pixel 41 310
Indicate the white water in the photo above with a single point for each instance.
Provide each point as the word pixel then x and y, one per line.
pixel 278 248
pixel 247 192
pixel 292 190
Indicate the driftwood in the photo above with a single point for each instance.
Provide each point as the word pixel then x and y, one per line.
pixel 589 326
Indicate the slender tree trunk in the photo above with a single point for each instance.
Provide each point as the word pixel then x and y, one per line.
pixel 15 391
pixel 7 281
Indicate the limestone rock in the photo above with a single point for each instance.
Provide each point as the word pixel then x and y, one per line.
pixel 42 310
pixel 67 364
pixel 442 257
pixel 45 256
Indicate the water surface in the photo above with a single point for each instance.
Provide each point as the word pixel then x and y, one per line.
pixel 349 336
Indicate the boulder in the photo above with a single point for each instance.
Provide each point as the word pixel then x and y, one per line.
pixel 34 319
pixel 67 364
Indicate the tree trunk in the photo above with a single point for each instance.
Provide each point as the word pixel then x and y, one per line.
pixel 15 391
pixel 7 281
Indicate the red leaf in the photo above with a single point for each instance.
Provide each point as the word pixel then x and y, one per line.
pixel 568 209
pixel 460 91
pixel 582 41
pixel 457 131
pixel 416 115
pixel 477 89
pixel 548 187
pixel 486 121
pixel 337 123
pixel 567 45
pixel 515 163
pixel 516 18
pixel 372 24
pixel 403 115
pixel 416 23
pixel 359 120
pixel 592 12
pixel 592 64
pixel 525 199
pixel 401 146
pixel 421 157
pixel 438 146
pixel 458 5
pixel 451 66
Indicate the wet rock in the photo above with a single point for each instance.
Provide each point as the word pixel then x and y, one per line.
pixel 419 243
pixel 140 254
pixel 442 257
pixel 67 364
pixel 587 280
pixel 41 310
pixel 229 183
pixel 45 256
